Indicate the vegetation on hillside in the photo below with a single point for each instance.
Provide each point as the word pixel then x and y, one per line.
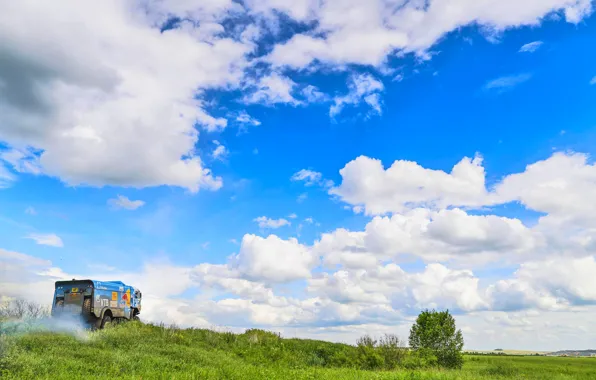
pixel 135 350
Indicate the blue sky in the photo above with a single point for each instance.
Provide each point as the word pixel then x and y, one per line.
pixel 205 126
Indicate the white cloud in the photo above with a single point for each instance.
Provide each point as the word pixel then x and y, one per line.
pixel 507 82
pixel 309 220
pixel 83 103
pixel 292 216
pixel 559 186
pixel 362 88
pixel 531 47
pixel 309 177
pixel 435 287
pixel 123 202
pixel 246 119
pixel 367 33
pixel 265 222
pixel 273 89
pixel 432 236
pixel 51 240
pixel 313 95
pixel 272 259
pixel 593 81
pixel 552 284
pixel 370 188
pixel 220 152
pixel 30 211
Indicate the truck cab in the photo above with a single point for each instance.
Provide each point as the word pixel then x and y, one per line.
pixel 98 303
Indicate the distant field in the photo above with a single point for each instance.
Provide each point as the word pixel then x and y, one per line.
pixel 137 351
pixel 509 352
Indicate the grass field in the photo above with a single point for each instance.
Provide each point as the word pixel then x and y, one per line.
pixel 137 351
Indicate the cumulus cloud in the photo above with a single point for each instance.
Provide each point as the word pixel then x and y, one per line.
pixel 123 202
pixel 531 47
pixel 444 236
pixel 553 284
pixel 371 188
pixel 51 240
pixel 83 103
pixel 273 259
pixel 558 186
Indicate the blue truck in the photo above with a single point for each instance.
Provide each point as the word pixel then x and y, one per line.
pixel 99 303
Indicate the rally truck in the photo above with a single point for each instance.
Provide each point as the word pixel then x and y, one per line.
pixel 98 303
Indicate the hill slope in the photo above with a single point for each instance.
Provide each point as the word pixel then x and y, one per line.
pixel 135 351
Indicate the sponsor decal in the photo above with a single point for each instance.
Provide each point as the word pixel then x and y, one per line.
pixel 113 303
pixel 114 296
pixel 126 297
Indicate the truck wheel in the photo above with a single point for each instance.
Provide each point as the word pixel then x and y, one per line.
pixel 106 322
pixel 87 308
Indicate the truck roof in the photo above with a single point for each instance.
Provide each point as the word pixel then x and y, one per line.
pixel 95 283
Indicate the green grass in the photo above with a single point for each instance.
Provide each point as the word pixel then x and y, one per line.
pixel 137 351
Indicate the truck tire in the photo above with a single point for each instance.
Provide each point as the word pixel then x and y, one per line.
pixel 58 308
pixel 87 308
pixel 105 322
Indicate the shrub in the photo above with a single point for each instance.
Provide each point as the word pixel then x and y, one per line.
pixel 368 356
pixel 392 350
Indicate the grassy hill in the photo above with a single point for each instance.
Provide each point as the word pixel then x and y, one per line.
pixel 138 351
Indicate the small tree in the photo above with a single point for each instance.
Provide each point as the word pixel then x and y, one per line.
pixel 434 334
pixel 392 350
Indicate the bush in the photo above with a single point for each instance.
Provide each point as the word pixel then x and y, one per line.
pixel 368 355
pixel 392 350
